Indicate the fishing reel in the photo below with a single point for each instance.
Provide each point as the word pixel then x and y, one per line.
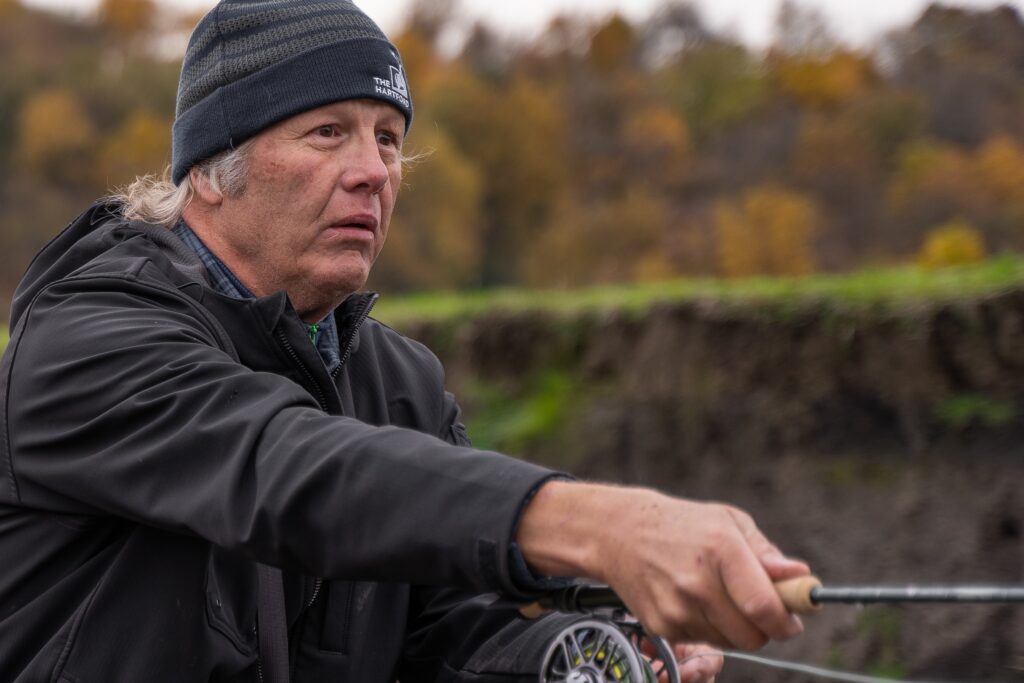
pixel 607 646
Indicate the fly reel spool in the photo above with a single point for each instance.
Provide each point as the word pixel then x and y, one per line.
pixel 600 650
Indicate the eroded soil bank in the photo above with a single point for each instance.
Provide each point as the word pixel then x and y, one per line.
pixel 881 444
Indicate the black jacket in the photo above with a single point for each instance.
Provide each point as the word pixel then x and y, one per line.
pixel 157 438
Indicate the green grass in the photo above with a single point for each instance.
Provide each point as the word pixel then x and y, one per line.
pixel 891 286
pixel 512 423
pixel 963 410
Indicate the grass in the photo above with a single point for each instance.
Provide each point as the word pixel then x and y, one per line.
pixel 863 288
pixel 961 411
pixel 513 423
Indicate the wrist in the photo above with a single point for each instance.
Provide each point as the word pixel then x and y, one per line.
pixel 564 530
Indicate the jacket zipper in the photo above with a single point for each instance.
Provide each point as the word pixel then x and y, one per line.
pixel 347 353
pixel 321 398
pixel 322 401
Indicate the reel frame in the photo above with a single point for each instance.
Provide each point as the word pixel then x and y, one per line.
pixel 607 649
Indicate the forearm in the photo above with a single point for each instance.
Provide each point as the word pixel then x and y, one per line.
pixel 568 525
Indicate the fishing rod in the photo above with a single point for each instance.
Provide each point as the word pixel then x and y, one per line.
pixel 610 646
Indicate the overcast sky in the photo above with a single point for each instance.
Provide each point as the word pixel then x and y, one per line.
pixel 854 21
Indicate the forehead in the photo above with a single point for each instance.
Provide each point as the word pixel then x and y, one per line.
pixel 361 109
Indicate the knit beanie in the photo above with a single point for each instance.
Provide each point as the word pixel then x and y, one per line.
pixel 252 63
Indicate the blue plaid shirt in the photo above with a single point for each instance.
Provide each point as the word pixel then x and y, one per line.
pixel 324 334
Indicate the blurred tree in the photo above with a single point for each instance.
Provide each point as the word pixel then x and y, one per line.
pixel 888 119
pixel 430 18
pixel 657 143
pixel 802 31
pixel 611 47
pixel 954 243
pixel 55 136
pixel 140 146
pixel 127 18
pixel 969 65
pixel 674 28
pixel 614 240
pixel 770 231
pixel 836 79
pixel 999 166
pixel 9 7
pixel 931 184
pixel 436 241
pixel 516 135
pixel 713 87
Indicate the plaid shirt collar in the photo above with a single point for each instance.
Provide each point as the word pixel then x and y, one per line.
pixel 323 334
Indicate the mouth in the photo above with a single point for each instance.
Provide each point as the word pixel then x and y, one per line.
pixel 357 222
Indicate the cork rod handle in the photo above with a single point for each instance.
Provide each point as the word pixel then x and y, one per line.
pixel 796 594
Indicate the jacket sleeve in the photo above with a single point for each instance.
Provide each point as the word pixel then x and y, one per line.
pixel 121 401
pixel 454 635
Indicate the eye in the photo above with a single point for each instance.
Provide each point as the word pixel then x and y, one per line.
pixel 326 131
pixel 389 139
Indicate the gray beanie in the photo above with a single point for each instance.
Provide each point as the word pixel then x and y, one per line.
pixel 253 63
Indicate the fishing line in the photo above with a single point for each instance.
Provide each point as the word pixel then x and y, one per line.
pixel 819 672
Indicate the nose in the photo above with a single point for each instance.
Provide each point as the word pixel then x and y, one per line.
pixel 365 169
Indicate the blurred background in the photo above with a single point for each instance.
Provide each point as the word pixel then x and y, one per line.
pixel 763 252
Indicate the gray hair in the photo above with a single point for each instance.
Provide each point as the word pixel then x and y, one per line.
pixel 159 201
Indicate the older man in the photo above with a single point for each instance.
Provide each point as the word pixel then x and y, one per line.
pixel 217 467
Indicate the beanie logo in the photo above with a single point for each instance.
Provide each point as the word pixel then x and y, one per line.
pixel 395 88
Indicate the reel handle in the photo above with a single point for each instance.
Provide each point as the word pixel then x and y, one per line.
pixel 798 594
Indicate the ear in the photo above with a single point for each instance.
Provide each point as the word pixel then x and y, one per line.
pixel 204 191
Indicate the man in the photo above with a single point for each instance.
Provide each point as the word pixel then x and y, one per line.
pixel 217 467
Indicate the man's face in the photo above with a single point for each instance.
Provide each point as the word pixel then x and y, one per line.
pixel 317 204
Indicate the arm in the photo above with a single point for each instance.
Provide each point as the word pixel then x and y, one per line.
pixel 121 402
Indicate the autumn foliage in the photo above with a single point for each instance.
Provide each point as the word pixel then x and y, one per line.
pixel 602 149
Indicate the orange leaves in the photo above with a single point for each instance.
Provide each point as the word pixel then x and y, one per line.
pixel 769 231
pixel 435 241
pixel 611 45
pixel 54 134
pixel 825 82
pixel 128 18
pixel 141 145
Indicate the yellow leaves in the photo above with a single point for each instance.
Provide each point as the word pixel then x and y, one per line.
pixel 9 7
pixel 954 243
pixel 657 135
pixel 827 82
pixel 615 240
pixel 770 231
pixel 611 45
pixel 54 134
pixel 999 165
pixel 127 18
pixel 435 241
pixel 141 145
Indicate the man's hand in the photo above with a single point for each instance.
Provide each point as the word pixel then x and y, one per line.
pixel 688 571
pixel 697 663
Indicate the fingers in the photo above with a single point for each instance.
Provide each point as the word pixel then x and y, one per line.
pixel 753 603
pixel 777 565
pixel 698 663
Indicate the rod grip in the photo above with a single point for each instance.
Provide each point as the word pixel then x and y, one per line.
pixel 796 594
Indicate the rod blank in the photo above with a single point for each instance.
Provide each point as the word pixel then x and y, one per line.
pixel 872 594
